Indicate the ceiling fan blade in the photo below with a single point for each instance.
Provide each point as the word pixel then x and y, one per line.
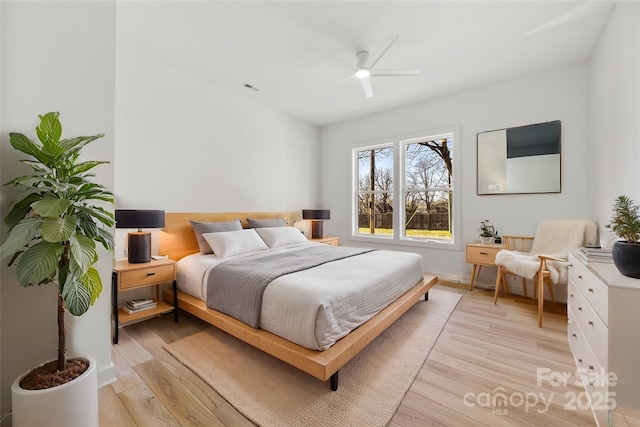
pixel 366 86
pixel 395 72
pixel 336 80
pixel 382 49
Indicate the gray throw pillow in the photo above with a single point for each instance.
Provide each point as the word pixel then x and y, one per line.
pixel 200 227
pixel 264 223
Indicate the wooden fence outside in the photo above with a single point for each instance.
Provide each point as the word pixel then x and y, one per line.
pixel 419 221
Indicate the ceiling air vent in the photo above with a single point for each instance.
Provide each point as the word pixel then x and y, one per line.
pixel 250 86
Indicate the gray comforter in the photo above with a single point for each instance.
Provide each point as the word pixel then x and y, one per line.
pixel 236 287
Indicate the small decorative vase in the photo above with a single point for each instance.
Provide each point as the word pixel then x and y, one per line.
pixel 486 240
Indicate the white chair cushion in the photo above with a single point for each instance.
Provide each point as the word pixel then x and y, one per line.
pixel 526 265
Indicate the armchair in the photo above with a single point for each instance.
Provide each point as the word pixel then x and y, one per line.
pixel 543 257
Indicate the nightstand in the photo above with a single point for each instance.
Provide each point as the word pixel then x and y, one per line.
pixel 327 239
pixel 127 276
pixel 480 254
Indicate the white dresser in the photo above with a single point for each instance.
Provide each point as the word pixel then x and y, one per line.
pixel 604 334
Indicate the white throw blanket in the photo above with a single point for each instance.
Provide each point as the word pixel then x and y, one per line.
pixel 553 238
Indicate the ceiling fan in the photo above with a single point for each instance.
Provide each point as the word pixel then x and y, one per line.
pixel 365 63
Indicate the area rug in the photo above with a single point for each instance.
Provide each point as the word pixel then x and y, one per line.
pixel 270 392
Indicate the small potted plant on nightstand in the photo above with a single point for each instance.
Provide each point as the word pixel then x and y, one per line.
pixel 54 228
pixel 486 232
pixel 625 222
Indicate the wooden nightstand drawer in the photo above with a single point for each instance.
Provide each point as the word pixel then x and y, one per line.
pixel 146 276
pixel 483 254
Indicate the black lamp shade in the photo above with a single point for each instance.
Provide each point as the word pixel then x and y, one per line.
pixel 132 218
pixel 316 215
pixel 140 241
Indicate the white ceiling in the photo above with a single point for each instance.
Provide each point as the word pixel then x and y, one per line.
pixel 293 51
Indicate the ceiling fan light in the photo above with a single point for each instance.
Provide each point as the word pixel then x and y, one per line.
pixel 362 73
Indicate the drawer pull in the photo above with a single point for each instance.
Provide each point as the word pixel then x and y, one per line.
pixel 570 265
pixel 591 383
pixel 590 290
pixel 571 295
pixel 591 367
pixel 574 335
pixel 579 360
pixel 151 274
pixel 483 253
pixel 580 308
pixel 579 277
pixel 591 322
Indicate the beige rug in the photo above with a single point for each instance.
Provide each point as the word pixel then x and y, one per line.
pixel 272 393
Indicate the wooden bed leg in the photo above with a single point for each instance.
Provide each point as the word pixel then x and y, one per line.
pixel 426 296
pixel 334 381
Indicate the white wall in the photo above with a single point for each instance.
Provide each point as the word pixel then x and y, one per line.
pixel 614 110
pixel 185 145
pixel 56 56
pixel 559 94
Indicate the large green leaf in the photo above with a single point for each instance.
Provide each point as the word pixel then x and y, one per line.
pixel 23 144
pixel 74 145
pixel 58 229
pixel 49 132
pixel 97 213
pixel 94 284
pixel 76 296
pixel 20 209
pixel 20 235
pixel 51 206
pixel 38 263
pixel 106 238
pixel 83 252
pixel 86 166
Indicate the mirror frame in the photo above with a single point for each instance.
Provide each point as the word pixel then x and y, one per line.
pixel 533 156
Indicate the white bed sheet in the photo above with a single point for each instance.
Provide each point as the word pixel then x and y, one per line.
pixel 316 307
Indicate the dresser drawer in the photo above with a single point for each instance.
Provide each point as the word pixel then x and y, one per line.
pixel 584 357
pixel 146 276
pixel 481 254
pixel 590 372
pixel 592 327
pixel 594 290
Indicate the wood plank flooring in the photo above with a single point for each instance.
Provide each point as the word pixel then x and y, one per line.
pixel 485 352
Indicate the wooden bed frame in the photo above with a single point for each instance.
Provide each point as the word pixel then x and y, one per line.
pixel 178 240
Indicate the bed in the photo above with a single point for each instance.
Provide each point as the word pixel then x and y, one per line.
pixel 316 351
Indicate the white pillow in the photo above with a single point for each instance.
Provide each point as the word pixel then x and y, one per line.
pixel 276 237
pixel 231 243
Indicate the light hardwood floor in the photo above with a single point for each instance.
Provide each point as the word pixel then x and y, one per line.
pixel 484 352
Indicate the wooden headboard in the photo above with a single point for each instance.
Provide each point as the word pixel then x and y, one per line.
pixel 178 240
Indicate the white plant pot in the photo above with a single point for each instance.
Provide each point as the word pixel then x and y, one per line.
pixel 486 240
pixel 74 404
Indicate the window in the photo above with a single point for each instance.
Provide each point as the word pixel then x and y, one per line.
pixel 375 191
pixel 404 189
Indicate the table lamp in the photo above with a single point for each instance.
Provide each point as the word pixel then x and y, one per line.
pixel 316 216
pixel 140 241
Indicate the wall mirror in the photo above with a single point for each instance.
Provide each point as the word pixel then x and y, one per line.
pixel 524 159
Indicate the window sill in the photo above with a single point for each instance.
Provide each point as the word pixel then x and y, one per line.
pixel 415 243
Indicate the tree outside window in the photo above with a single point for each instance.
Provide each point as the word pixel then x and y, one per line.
pixel 425 208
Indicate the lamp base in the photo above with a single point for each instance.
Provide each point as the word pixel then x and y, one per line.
pixel 316 230
pixel 139 247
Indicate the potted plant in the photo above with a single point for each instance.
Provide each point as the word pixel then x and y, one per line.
pixel 54 226
pixel 486 232
pixel 625 222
